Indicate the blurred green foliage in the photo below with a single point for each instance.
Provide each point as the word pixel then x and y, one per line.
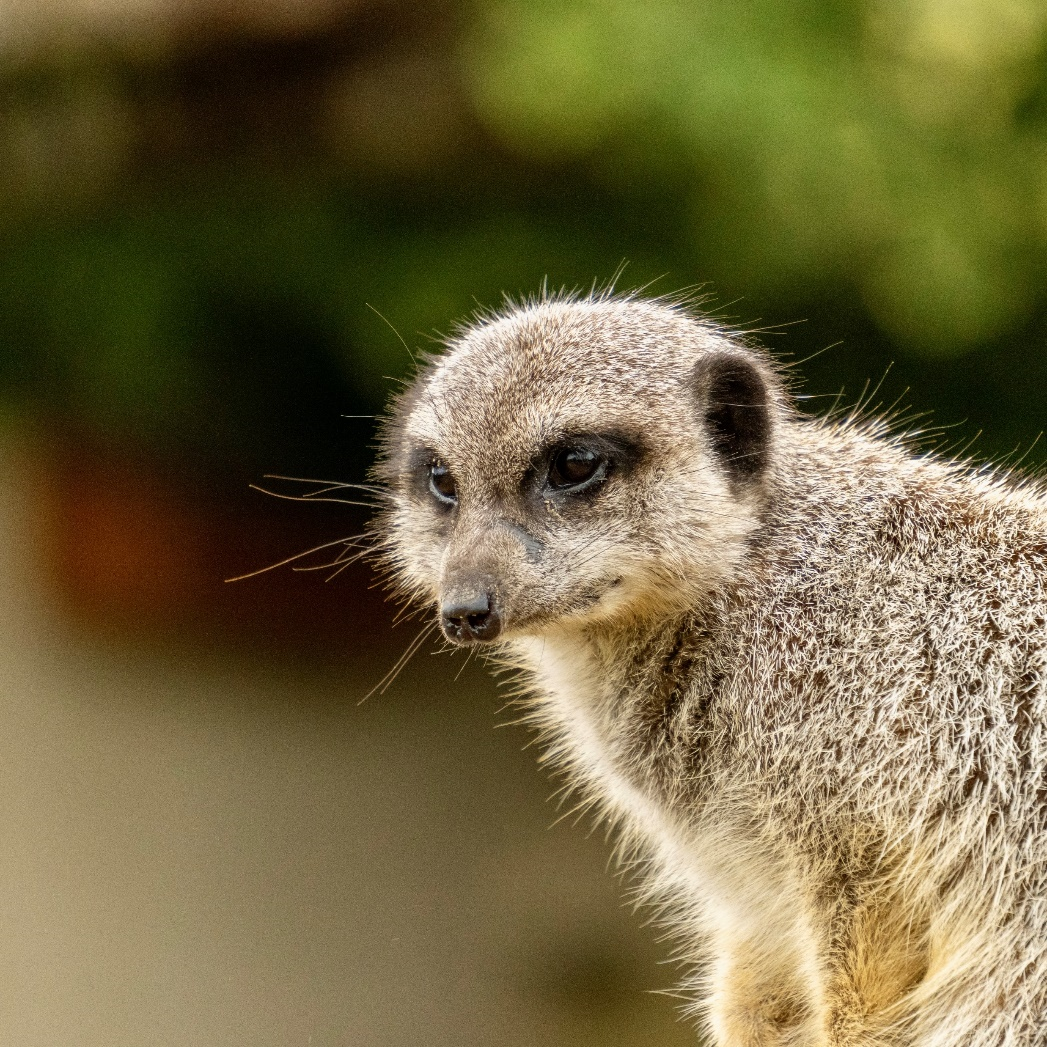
pixel 877 167
pixel 895 144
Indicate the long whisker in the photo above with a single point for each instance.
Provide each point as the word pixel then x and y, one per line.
pixel 388 323
pixel 297 556
pixel 341 561
pixel 309 498
pixel 386 681
pixel 329 485
pixel 468 657
pixel 344 561
pixel 344 564
pixel 409 610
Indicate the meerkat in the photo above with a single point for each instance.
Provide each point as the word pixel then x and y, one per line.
pixel 799 665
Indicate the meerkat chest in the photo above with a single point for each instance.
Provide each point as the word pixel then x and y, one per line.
pixel 578 708
pixel 709 859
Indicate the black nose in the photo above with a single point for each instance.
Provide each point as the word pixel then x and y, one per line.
pixel 471 619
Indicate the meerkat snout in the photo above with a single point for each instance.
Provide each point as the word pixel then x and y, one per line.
pixel 471 616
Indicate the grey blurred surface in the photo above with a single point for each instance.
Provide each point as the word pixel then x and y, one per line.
pixel 216 850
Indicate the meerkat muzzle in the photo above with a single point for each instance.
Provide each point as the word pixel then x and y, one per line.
pixel 471 618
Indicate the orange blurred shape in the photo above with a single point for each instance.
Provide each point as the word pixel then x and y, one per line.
pixel 124 545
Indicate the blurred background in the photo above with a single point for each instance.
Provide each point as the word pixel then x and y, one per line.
pixel 218 219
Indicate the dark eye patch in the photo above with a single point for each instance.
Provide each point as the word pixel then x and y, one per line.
pixel 577 465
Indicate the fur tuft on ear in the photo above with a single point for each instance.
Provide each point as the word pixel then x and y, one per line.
pixel 734 402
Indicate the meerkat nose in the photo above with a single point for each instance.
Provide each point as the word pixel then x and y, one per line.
pixel 471 618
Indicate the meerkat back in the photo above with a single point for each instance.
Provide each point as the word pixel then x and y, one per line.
pixel 801 668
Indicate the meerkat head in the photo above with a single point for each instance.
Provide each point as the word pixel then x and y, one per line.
pixel 577 462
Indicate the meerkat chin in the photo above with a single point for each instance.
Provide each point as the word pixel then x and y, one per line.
pixel 802 668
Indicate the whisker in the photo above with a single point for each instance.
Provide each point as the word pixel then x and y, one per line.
pixel 388 323
pixel 386 681
pixel 341 561
pixel 407 611
pixel 468 657
pixel 297 556
pixel 329 485
pixel 308 498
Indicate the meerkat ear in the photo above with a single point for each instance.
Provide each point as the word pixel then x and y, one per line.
pixel 735 404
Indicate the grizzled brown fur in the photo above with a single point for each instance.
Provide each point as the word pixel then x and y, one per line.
pixel 803 669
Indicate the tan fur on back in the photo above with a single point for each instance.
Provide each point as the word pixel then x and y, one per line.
pixel 810 692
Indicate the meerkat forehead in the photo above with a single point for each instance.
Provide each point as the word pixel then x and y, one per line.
pixel 551 369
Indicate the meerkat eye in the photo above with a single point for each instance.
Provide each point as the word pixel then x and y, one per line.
pixel 442 485
pixel 574 467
